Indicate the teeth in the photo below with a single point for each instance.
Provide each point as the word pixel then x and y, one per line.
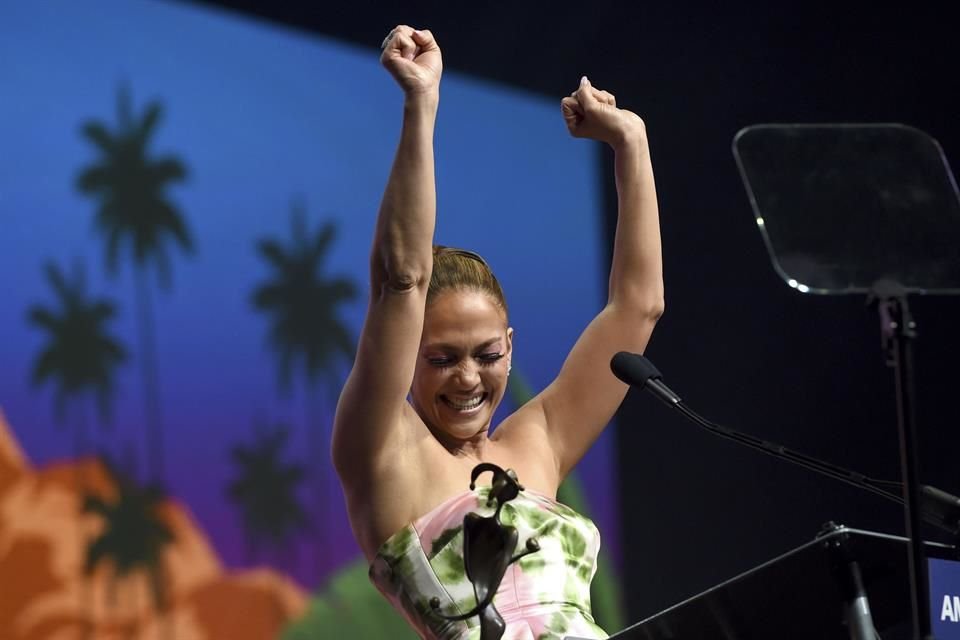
pixel 464 406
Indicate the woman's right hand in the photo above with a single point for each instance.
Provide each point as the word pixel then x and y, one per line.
pixel 413 58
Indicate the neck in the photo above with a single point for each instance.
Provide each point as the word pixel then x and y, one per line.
pixel 472 447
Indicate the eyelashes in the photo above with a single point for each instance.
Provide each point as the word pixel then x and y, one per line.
pixel 490 358
pixel 485 359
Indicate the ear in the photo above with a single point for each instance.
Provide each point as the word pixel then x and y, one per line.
pixel 509 345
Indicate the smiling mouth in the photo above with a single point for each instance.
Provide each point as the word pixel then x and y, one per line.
pixel 465 405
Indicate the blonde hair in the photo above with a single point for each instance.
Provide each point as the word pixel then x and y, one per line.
pixel 461 269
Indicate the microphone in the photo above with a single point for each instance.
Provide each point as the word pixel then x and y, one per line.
pixel 639 372
pixel 938 507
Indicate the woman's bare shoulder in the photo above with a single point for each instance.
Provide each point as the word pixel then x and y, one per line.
pixel 520 443
pixel 401 485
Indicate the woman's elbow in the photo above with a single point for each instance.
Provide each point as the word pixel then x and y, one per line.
pixel 649 310
pixel 641 304
pixel 400 276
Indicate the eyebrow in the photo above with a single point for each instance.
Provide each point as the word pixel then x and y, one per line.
pixel 453 347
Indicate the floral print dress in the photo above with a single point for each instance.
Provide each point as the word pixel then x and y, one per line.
pixel 543 596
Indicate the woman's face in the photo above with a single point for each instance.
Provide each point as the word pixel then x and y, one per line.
pixel 461 372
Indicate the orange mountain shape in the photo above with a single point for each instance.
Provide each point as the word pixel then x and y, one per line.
pixel 44 594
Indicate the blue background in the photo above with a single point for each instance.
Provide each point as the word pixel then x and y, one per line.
pixel 265 117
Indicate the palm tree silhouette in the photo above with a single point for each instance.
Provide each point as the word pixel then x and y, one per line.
pixel 79 357
pixel 305 331
pixel 264 490
pixel 133 538
pixel 130 187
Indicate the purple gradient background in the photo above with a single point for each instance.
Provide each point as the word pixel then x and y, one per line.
pixel 264 116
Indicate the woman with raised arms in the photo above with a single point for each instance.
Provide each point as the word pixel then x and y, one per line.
pixel 432 364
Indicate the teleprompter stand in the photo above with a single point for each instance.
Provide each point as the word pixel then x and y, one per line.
pixel 865 210
pixel 869 210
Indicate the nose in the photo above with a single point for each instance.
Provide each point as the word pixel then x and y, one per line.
pixel 468 373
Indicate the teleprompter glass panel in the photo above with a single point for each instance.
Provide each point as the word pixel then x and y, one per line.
pixel 842 206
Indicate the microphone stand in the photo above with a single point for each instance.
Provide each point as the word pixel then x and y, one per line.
pixel 937 507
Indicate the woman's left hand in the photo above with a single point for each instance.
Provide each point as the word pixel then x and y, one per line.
pixel 593 113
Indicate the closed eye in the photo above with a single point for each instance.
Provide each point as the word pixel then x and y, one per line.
pixel 489 358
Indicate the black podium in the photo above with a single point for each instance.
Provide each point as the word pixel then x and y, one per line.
pixel 804 594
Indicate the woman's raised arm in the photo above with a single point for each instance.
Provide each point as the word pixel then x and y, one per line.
pixel 373 401
pixel 576 407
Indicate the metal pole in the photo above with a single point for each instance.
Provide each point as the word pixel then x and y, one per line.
pixel 899 330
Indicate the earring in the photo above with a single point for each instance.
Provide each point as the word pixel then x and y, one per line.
pixel 509 368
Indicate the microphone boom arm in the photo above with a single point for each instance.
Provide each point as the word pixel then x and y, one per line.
pixel 938 507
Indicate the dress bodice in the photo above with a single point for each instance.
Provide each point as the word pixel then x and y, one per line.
pixel 543 596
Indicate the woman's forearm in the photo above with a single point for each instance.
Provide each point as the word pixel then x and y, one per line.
pixel 404 236
pixel 636 274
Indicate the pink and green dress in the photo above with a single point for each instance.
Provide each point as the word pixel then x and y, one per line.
pixel 543 596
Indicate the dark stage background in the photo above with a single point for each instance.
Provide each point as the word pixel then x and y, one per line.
pixel 735 342
pixel 686 510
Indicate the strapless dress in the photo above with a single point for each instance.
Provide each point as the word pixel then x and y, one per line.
pixel 543 596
